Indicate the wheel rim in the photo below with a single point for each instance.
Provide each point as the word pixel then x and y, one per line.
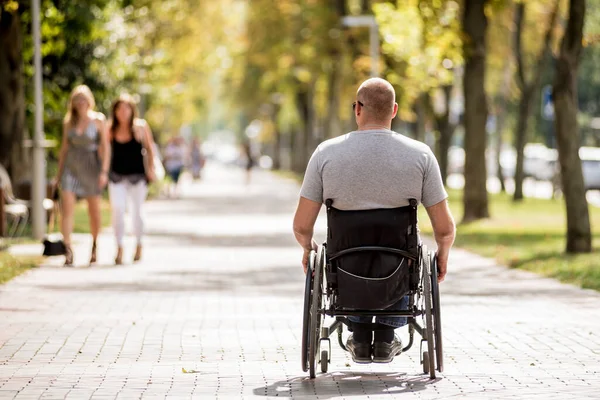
pixel 428 314
pixel 315 317
pixel 306 313
pixel 437 316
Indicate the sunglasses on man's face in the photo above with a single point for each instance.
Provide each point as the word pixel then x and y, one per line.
pixel 354 104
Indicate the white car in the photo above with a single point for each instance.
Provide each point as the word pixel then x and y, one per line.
pixel 539 161
pixel 590 164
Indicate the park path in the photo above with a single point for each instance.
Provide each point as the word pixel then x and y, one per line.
pixel 214 311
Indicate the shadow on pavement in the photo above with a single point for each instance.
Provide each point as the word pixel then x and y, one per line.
pixel 346 384
pixel 251 240
pixel 274 281
pixel 224 205
pixel 481 281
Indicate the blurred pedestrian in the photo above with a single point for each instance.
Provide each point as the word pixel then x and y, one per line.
pixel 131 169
pixel 175 157
pixel 197 159
pixel 82 165
pixel 249 158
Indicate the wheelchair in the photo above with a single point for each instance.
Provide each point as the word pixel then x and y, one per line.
pixel 370 260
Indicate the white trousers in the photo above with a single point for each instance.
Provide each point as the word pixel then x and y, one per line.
pixel 119 193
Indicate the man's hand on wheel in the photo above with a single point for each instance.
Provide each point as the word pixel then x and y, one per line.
pixel 306 254
pixel 442 264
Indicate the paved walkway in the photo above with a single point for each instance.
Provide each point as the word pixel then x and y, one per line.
pixel 214 311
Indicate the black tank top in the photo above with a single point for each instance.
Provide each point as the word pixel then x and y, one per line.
pixel 127 158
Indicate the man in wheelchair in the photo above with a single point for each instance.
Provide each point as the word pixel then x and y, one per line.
pixel 374 168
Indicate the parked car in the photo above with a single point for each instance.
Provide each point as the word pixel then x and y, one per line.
pixel 537 164
pixel 590 166
pixel 539 161
pixel 590 163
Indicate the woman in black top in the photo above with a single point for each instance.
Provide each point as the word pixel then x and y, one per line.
pixel 131 169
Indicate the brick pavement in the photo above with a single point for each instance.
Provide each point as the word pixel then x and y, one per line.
pixel 214 311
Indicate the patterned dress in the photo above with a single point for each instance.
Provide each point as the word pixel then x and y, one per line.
pixel 82 163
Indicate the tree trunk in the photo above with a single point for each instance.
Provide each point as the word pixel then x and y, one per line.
pixel 366 7
pixel 475 199
pixel 446 130
pixel 303 140
pixel 333 126
pixel 442 150
pixel 500 121
pixel 527 89
pixel 579 237
pixel 277 151
pixel 500 117
pixel 520 140
pixel 12 99
pixel 421 111
pixel 294 139
pixel 498 158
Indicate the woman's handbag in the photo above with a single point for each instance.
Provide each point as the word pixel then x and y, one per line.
pixel 148 168
pixel 53 242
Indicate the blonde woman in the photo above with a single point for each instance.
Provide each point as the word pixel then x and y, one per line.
pixel 130 139
pixel 82 165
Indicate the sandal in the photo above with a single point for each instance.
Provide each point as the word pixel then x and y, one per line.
pixel 138 253
pixel 119 257
pixel 93 256
pixel 68 256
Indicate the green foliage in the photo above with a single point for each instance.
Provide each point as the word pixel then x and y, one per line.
pixel 423 40
pixel 71 31
pixel 10 6
pixel 527 235
pixel 214 64
pixel 11 266
pixel 284 50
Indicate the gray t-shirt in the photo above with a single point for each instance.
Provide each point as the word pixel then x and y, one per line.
pixel 370 169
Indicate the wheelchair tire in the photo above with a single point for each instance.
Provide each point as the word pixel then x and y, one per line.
pixel 437 315
pixel 324 361
pixel 425 362
pixel 315 315
pixel 306 314
pixel 429 328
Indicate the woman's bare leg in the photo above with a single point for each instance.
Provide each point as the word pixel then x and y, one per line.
pixel 68 200
pixel 68 210
pixel 94 213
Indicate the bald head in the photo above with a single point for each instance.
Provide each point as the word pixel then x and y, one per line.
pixel 378 97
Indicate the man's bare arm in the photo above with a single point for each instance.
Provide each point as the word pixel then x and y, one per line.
pixel 304 223
pixel 444 232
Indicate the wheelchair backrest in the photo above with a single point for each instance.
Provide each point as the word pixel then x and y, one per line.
pixel 371 251
pixel 386 227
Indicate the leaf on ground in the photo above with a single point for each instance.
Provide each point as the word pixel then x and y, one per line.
pixel 191 371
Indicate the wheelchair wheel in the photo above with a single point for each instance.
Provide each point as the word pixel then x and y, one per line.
pixel 437 316
pixel 306 315
pixel 315 316
pixel 324 361
pixel 425 362
pixel 429 329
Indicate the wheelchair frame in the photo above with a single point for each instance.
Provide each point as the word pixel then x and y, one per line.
pixel 424 301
